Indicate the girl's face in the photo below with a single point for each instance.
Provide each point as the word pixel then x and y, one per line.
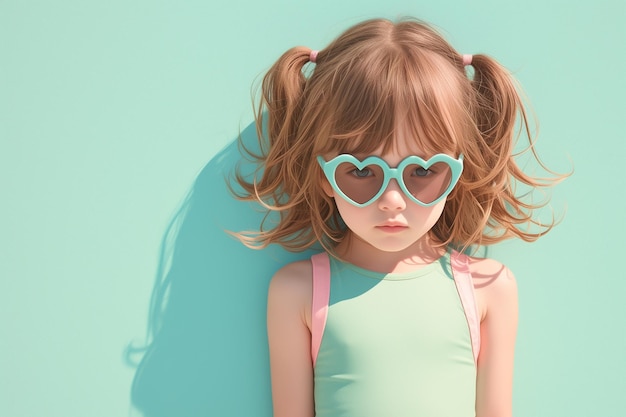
pixel 393 222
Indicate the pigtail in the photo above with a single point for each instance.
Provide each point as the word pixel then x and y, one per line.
pixel 277 184
pixel 495 111
pixel 492 175
pixel 281 92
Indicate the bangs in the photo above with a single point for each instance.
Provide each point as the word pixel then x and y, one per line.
pixel 380 97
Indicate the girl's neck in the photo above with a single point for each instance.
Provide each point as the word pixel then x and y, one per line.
pixel 360 253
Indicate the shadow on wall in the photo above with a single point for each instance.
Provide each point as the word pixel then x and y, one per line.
pixel 208 352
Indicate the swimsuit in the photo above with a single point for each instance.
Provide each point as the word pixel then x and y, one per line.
pixel 394 344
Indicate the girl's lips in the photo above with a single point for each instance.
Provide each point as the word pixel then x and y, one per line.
pixel 390 228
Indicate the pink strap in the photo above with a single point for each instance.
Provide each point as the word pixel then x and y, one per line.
pixel 465 288
pixel 321 296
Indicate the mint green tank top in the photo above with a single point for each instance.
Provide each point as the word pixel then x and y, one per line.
pixel 395 345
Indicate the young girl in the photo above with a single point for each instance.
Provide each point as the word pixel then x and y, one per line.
pixel 386 153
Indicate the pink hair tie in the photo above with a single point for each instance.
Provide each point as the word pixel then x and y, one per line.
pixel 467 60
pixel 313 56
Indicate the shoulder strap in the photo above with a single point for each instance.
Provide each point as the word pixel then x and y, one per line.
pixel 465 288
pixel 321 295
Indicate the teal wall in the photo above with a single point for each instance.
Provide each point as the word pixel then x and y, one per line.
pixel 112 118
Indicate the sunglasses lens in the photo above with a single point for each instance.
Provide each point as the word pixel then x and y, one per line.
pixel 427 184
pixel 360 185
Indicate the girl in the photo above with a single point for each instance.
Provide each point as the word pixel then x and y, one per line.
pixel 395 161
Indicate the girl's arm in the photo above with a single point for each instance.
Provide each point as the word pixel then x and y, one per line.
pixel 496 293
pixel 289 336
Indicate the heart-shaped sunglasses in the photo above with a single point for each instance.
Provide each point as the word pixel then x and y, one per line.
pixel 426 182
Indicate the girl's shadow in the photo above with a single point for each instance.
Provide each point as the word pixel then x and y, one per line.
pixel 208 352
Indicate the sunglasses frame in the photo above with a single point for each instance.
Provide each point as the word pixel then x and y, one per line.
pixel 329 168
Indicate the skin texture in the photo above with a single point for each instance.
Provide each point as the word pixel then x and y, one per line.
pixel 290 293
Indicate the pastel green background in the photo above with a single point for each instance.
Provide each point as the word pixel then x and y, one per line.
pixel 112 111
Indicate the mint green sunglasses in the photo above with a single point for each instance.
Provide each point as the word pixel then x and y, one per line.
pixel 426 182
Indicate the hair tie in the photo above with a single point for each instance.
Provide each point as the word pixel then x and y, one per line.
pixel 313 56
pixel 467 60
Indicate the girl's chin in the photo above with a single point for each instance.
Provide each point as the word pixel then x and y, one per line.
pixel 391 244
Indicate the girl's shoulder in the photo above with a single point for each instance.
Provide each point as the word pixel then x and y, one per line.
pixel 294 275
pixel 494 284
pixel 487 268
pixel 291 286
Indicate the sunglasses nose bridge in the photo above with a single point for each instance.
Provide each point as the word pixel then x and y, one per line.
pixel 394 175
pixel 392 195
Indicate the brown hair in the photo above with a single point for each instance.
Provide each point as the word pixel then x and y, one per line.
pixel 375 76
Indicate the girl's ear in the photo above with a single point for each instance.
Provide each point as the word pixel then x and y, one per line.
pixel 327 188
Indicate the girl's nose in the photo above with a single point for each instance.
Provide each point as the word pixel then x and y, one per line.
pixel 392 199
